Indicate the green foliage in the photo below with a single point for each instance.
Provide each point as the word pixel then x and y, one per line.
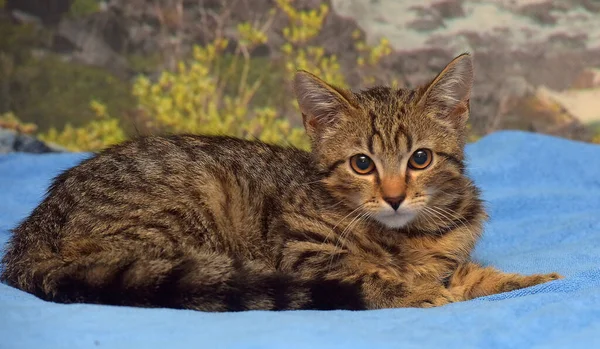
pixel 17 40
pixel 303 26
pixel 299 53
pixel 216 91
pixel 10 121
pixel 51 92
pixel 83 7
pixel 61 92
pixel 193 100
pixel 44 88
pixel 97 134
pixel 595 128
pixel 144 63
pixel 472 136
pixel 270 73
pixel 16 43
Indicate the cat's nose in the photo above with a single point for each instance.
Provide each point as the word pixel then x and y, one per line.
pixel 395 201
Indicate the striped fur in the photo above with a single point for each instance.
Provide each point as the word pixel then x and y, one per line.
pixel 221 224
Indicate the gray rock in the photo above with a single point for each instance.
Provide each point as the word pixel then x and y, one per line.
pixel 535 43
pixel 7 141
pixel 11 141
pixel 88 45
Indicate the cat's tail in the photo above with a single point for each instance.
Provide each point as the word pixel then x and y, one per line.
pixel 208 282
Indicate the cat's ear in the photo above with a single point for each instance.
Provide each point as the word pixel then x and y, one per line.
pixel 449 93
pixel 320 103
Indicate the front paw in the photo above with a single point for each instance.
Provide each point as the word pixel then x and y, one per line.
pixel 523 281
pixel 431 297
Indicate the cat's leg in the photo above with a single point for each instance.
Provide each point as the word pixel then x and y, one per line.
pixel 427 295
pixel 380 286
pixel 471 280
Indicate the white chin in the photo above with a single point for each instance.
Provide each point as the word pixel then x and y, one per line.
pixel 395 220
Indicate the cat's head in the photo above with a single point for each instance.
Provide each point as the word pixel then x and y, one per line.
pixel 395 155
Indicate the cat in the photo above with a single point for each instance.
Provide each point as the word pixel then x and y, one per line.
pixel 380 213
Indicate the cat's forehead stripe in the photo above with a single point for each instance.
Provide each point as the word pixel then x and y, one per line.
pixel 387 135
pixel 385 103
pixel 374 132
pixel 401 131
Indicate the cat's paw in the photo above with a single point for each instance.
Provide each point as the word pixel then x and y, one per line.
pixel 523 281
pixel 429 298
pixel 551 277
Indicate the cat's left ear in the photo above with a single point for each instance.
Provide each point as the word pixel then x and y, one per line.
pixel 449 93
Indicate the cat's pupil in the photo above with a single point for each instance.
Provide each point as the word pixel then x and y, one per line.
pixel 420 157
pixel 363 162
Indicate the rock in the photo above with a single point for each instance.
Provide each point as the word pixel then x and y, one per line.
pixel 88 45
pixel 48 11
pixel 583 104
pixel 7 141
pixel 540 111
pixel 11 141
pixel 589 78
pixel 547 43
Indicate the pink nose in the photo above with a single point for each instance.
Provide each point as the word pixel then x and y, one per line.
pixel 395 202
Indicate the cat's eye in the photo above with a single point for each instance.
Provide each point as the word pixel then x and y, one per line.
pixel 420 159
pixel 362 164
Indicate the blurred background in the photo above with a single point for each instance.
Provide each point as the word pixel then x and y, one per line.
pixel 84 74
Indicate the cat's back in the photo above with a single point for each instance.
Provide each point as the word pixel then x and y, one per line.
pixel 183 184
pixel 164 165
pixel 167 158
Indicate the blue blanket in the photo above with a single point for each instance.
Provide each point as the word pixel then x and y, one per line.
pixel 543 194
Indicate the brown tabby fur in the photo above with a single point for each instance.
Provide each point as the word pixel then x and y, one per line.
pixel 223 224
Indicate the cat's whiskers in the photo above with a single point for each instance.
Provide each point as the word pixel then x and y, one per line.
pixel 332 206
pixel 439 212
pixel 332 230
pixel 460 218
pixel 426 215
pixel 354 222
pixel 441 216
pixel 346 216
pixel 420 202
pixel 346 232
pixel 454 216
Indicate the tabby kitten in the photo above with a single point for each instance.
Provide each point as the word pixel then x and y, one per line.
pixel 380 214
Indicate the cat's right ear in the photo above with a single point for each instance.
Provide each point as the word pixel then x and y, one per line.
pixel 320 103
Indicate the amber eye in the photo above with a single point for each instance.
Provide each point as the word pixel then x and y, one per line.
pixel 362 164
pixel 420 159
